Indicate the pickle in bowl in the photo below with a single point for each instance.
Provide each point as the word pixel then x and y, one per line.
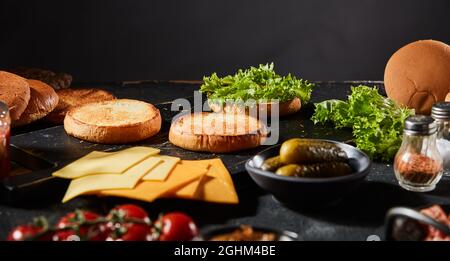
pixel 310 185
pixel 309 158
pixel 272 164
pixel 318 170
pixel 307 151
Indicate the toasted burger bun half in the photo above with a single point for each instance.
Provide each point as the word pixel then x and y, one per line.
pixel 418 75
pixel 70 98
pixel 217 132
pixel 447 98
pixel 285 108
pixel 43 100
pixel 15 93
pixel 113 122
pixel 55 80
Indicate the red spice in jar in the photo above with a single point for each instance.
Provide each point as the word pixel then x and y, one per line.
pixel 418 168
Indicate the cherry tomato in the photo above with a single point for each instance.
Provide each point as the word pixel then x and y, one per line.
pixel 129 211
pixel 176 226
pixel 130 232
pixel 24 232
pixel 74 218
pixel 95 232
pixel 128 223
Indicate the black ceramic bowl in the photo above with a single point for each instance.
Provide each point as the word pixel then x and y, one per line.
pixel 315 192
pixel 406 224
pixel 281 235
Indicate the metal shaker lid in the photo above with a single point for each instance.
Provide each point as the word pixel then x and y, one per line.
pixel 420 125
pixel 441 111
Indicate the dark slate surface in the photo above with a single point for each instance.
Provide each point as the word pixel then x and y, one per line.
pixel 354 218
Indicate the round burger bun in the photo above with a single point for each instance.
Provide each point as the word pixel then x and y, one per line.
pixel 113 122
pixel 447 98
pixel 43 100
pixel 15 93
pixel 70 98
pixel 418 75
pixel 285 108
pixel 205 131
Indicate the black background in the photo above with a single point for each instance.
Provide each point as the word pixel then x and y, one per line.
pixel 167 39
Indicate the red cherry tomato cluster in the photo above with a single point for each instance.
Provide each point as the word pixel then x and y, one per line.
pixel 123 223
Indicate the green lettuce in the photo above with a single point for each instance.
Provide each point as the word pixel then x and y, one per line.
pixel 259 84
pixel 376 121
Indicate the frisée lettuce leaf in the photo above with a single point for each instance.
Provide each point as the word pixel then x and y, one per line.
pixel 377 122
pixel 257 83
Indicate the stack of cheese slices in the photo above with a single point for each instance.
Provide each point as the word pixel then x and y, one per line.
pixel 141 173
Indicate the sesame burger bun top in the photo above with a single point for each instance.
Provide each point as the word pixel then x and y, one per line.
pixel 418 75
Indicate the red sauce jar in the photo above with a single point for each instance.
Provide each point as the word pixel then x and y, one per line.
pixel 5 123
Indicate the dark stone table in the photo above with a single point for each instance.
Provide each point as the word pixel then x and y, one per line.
pixel 356 217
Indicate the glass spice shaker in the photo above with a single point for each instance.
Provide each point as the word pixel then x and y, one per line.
pixel 418 165
pixel 441 114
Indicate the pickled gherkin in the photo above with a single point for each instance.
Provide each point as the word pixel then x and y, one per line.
pixel 318 170
pixel 271 164
pixel 306 151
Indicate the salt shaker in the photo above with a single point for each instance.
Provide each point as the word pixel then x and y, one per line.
pixel 441 114
pixel 418 165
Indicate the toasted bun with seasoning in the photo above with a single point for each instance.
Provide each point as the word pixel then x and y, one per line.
pixel 113 122
pixel 285 108
pixel 447 98
pixel 217 132
pixel 70 98
pixel 43 100
pixel 15 93
pixel 418 75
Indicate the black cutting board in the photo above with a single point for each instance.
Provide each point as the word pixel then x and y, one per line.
pixel 55 147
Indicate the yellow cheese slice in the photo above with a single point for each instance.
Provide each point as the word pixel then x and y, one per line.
pixel 161 171
pixel 188 191
pixel 216 186
pixel 105 162
pixel 220 171
pixel 221 189
pixel 217 191
pixel 127 180
pixel 182 174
